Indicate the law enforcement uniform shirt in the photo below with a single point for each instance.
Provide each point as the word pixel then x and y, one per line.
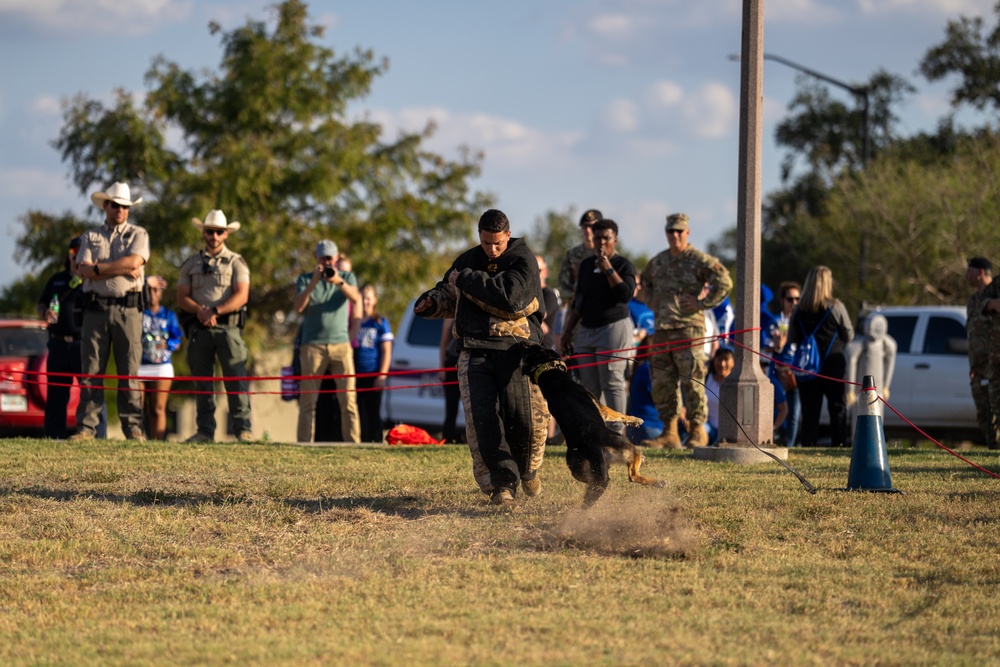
pixel 211 277
pixel 106 244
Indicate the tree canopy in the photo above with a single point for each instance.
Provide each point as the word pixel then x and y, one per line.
pixel 267 139
pixel 899 228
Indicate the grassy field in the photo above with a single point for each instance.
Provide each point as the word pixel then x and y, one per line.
pixel 154 554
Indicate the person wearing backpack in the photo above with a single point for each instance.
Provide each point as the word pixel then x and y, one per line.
pixel 822 318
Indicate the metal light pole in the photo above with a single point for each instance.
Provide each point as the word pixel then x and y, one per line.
pixel 862 94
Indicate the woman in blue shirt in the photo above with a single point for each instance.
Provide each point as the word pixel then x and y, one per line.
pixel 372 356
pixel 161 336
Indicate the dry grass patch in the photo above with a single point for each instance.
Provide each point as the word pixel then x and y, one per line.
pixel 148 554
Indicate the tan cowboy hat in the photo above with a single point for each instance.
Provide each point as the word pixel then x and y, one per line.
pixel 118 193
pixel 215 220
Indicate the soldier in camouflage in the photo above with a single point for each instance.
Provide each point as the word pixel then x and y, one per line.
pixel 571 260
pixel 979 275
pixel 680 284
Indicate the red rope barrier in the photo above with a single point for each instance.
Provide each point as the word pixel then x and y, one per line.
pixel 950 451
pixel 641 352
pixel 907 421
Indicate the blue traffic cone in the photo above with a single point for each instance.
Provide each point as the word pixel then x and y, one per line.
pixel 869 461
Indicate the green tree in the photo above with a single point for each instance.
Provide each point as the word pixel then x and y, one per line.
pixel 552 235
pixel 824 140
pixel 267 139
pixel 922 220
pixel 971 54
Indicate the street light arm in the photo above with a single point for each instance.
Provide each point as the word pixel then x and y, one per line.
pixel 861 92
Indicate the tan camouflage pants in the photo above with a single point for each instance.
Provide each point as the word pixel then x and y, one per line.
pixel 506 418
pixel 683 364
pixel 988 423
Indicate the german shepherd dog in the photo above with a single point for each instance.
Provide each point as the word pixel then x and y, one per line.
pixel 590 445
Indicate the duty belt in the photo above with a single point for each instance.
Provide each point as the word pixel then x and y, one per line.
pixel 130 300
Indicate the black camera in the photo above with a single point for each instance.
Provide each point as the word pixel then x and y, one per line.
pixel 329 272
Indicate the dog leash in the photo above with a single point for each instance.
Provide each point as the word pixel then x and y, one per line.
pixel 805 483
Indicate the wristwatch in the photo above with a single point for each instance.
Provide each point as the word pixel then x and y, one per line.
pixel 215 309
pixel 610 270
pixel 97 271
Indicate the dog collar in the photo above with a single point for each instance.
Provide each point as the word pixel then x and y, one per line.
pixel 557 364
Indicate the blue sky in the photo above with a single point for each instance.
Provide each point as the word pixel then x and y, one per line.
pixel 629 106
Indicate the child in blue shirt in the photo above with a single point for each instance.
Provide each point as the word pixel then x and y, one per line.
pixel 372 354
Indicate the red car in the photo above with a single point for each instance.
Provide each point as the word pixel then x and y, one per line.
pixel 23 382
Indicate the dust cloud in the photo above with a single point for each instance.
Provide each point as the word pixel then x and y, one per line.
pixel 646 526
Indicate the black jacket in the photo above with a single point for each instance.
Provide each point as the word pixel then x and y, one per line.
pixel 495 303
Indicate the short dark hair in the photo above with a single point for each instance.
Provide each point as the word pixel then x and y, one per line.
pixel 590 216
pixel 494 220
pixel 723 351
pixel 980 263
pixel 605 223
pixel 787 286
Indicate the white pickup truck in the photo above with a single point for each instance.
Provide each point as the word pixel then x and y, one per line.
pixel 930 386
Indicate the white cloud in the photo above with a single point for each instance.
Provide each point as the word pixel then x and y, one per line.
pixel 621 115
pixel 664 94
pixel 802 11
pixel 773 110
pixel 933 105
pixel 47 105
pixel 507 143
pixel 611 26
pixel 951 8
pixel 135 17
pixel 712 111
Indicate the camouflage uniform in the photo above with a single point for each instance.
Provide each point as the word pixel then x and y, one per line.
pixel 568 270
pixel 985 342
pixel 664 280
pixel 977 326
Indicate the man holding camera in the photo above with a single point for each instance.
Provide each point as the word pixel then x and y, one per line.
pixel 213 289
pixel 331 306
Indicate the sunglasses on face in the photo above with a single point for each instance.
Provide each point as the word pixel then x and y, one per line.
pixel 214 232
pixel 115 206
pixel 791 299
pixel 675 231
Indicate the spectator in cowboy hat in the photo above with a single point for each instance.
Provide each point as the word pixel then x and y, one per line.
pixel 111 262
pixel 213 288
